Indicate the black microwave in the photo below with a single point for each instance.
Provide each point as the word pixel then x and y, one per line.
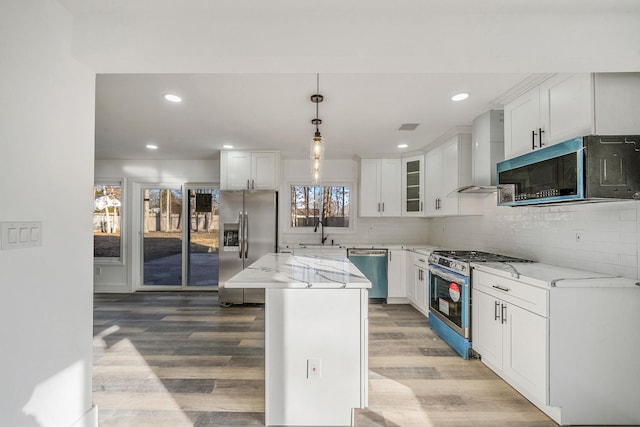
pixel 589 168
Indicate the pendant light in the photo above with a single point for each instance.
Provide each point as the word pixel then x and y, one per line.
pixel 317 143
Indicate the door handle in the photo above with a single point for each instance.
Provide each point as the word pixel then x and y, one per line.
pixel 241 234
pixel 503 313
pixel 246 235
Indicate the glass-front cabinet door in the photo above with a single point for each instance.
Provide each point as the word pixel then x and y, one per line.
pixel 413 186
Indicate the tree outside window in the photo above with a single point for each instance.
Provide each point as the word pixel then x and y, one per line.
pixel 311 204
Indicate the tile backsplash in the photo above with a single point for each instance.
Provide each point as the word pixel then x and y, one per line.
pixel 601 237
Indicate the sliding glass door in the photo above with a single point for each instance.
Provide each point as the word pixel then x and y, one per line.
pixel 180 237
pixel 202 237
pixel 162 236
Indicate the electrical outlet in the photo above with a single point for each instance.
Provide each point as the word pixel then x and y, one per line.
pixel 314 368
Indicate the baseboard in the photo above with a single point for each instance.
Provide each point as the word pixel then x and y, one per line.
pixel 397 300
pixel 89 419
pixel 112 288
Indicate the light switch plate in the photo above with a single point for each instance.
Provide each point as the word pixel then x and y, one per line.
pixel 18 235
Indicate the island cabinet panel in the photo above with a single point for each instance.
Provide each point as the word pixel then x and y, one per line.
pixel 316 353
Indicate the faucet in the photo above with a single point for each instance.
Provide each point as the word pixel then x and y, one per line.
pixel 323 237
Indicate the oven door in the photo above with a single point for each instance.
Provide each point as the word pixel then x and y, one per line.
pixel 449 298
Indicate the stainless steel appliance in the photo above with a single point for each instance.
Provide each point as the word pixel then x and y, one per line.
pixel 590 168
pixel 450 294
pixel 373 264
pixel 248 222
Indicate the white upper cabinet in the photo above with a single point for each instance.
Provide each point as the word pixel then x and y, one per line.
pixel 379 187
pixel 567 106
pixel 522 124
pixel 413 186
pixel 245 170
pixel 448 167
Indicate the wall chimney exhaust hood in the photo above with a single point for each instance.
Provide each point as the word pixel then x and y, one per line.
pixel 487 149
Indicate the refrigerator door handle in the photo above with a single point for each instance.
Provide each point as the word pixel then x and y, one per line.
pixel 246 235
pixel 241 234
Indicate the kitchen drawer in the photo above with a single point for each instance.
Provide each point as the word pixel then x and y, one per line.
pixel 421 260
pixel 528 297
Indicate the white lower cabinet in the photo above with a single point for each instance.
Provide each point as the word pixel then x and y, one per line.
pixel 418 281
pixel 410 276
pixel 511 340
pixel 569 347
pixel 396 281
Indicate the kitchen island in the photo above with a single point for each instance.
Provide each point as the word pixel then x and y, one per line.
pixel 316 342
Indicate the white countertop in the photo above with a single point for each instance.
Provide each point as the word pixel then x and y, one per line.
pixel 547 275
pixel 298 272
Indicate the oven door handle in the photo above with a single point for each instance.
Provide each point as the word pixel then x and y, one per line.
pixel 452 277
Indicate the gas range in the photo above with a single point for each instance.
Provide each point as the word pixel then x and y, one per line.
pixel 459 261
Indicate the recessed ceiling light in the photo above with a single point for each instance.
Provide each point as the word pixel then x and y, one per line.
pixel 460 97
pixel 152 146
pixel 172 98
pixel 227 146
pixel 403 145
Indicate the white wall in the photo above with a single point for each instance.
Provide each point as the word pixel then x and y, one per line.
pixel 609 234
pixel 46 174
pixel 365 230
pixel 125 276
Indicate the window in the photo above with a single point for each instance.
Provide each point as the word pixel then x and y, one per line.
pixel 311 204
pixel 107 210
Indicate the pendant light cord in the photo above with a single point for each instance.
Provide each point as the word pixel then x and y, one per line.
pixel 317 94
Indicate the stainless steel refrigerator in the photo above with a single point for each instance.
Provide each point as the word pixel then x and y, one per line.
pixel 248 221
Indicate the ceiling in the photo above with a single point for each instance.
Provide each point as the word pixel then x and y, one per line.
pixel 246 69
pixel 361 113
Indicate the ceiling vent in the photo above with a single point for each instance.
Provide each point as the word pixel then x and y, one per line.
pixel 409 126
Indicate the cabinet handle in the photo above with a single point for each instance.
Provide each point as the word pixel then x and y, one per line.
pixel 501 288
pixel 382 206
pixel 504 313
pixel 533 139
pixel 253 184
pixel 540 132
pixel 496 315
pixel 248 188
pixel 378 206
pixel 420 206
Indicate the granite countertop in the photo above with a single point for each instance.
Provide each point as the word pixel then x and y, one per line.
pixel 547 275
pixel 298 272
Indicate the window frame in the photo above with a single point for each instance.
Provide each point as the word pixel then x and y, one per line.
pixel 334 230
pixel 122 183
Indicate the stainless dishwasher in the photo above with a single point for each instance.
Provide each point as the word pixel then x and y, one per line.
pixel 373 264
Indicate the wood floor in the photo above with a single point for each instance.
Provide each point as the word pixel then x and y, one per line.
pixel 179 359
